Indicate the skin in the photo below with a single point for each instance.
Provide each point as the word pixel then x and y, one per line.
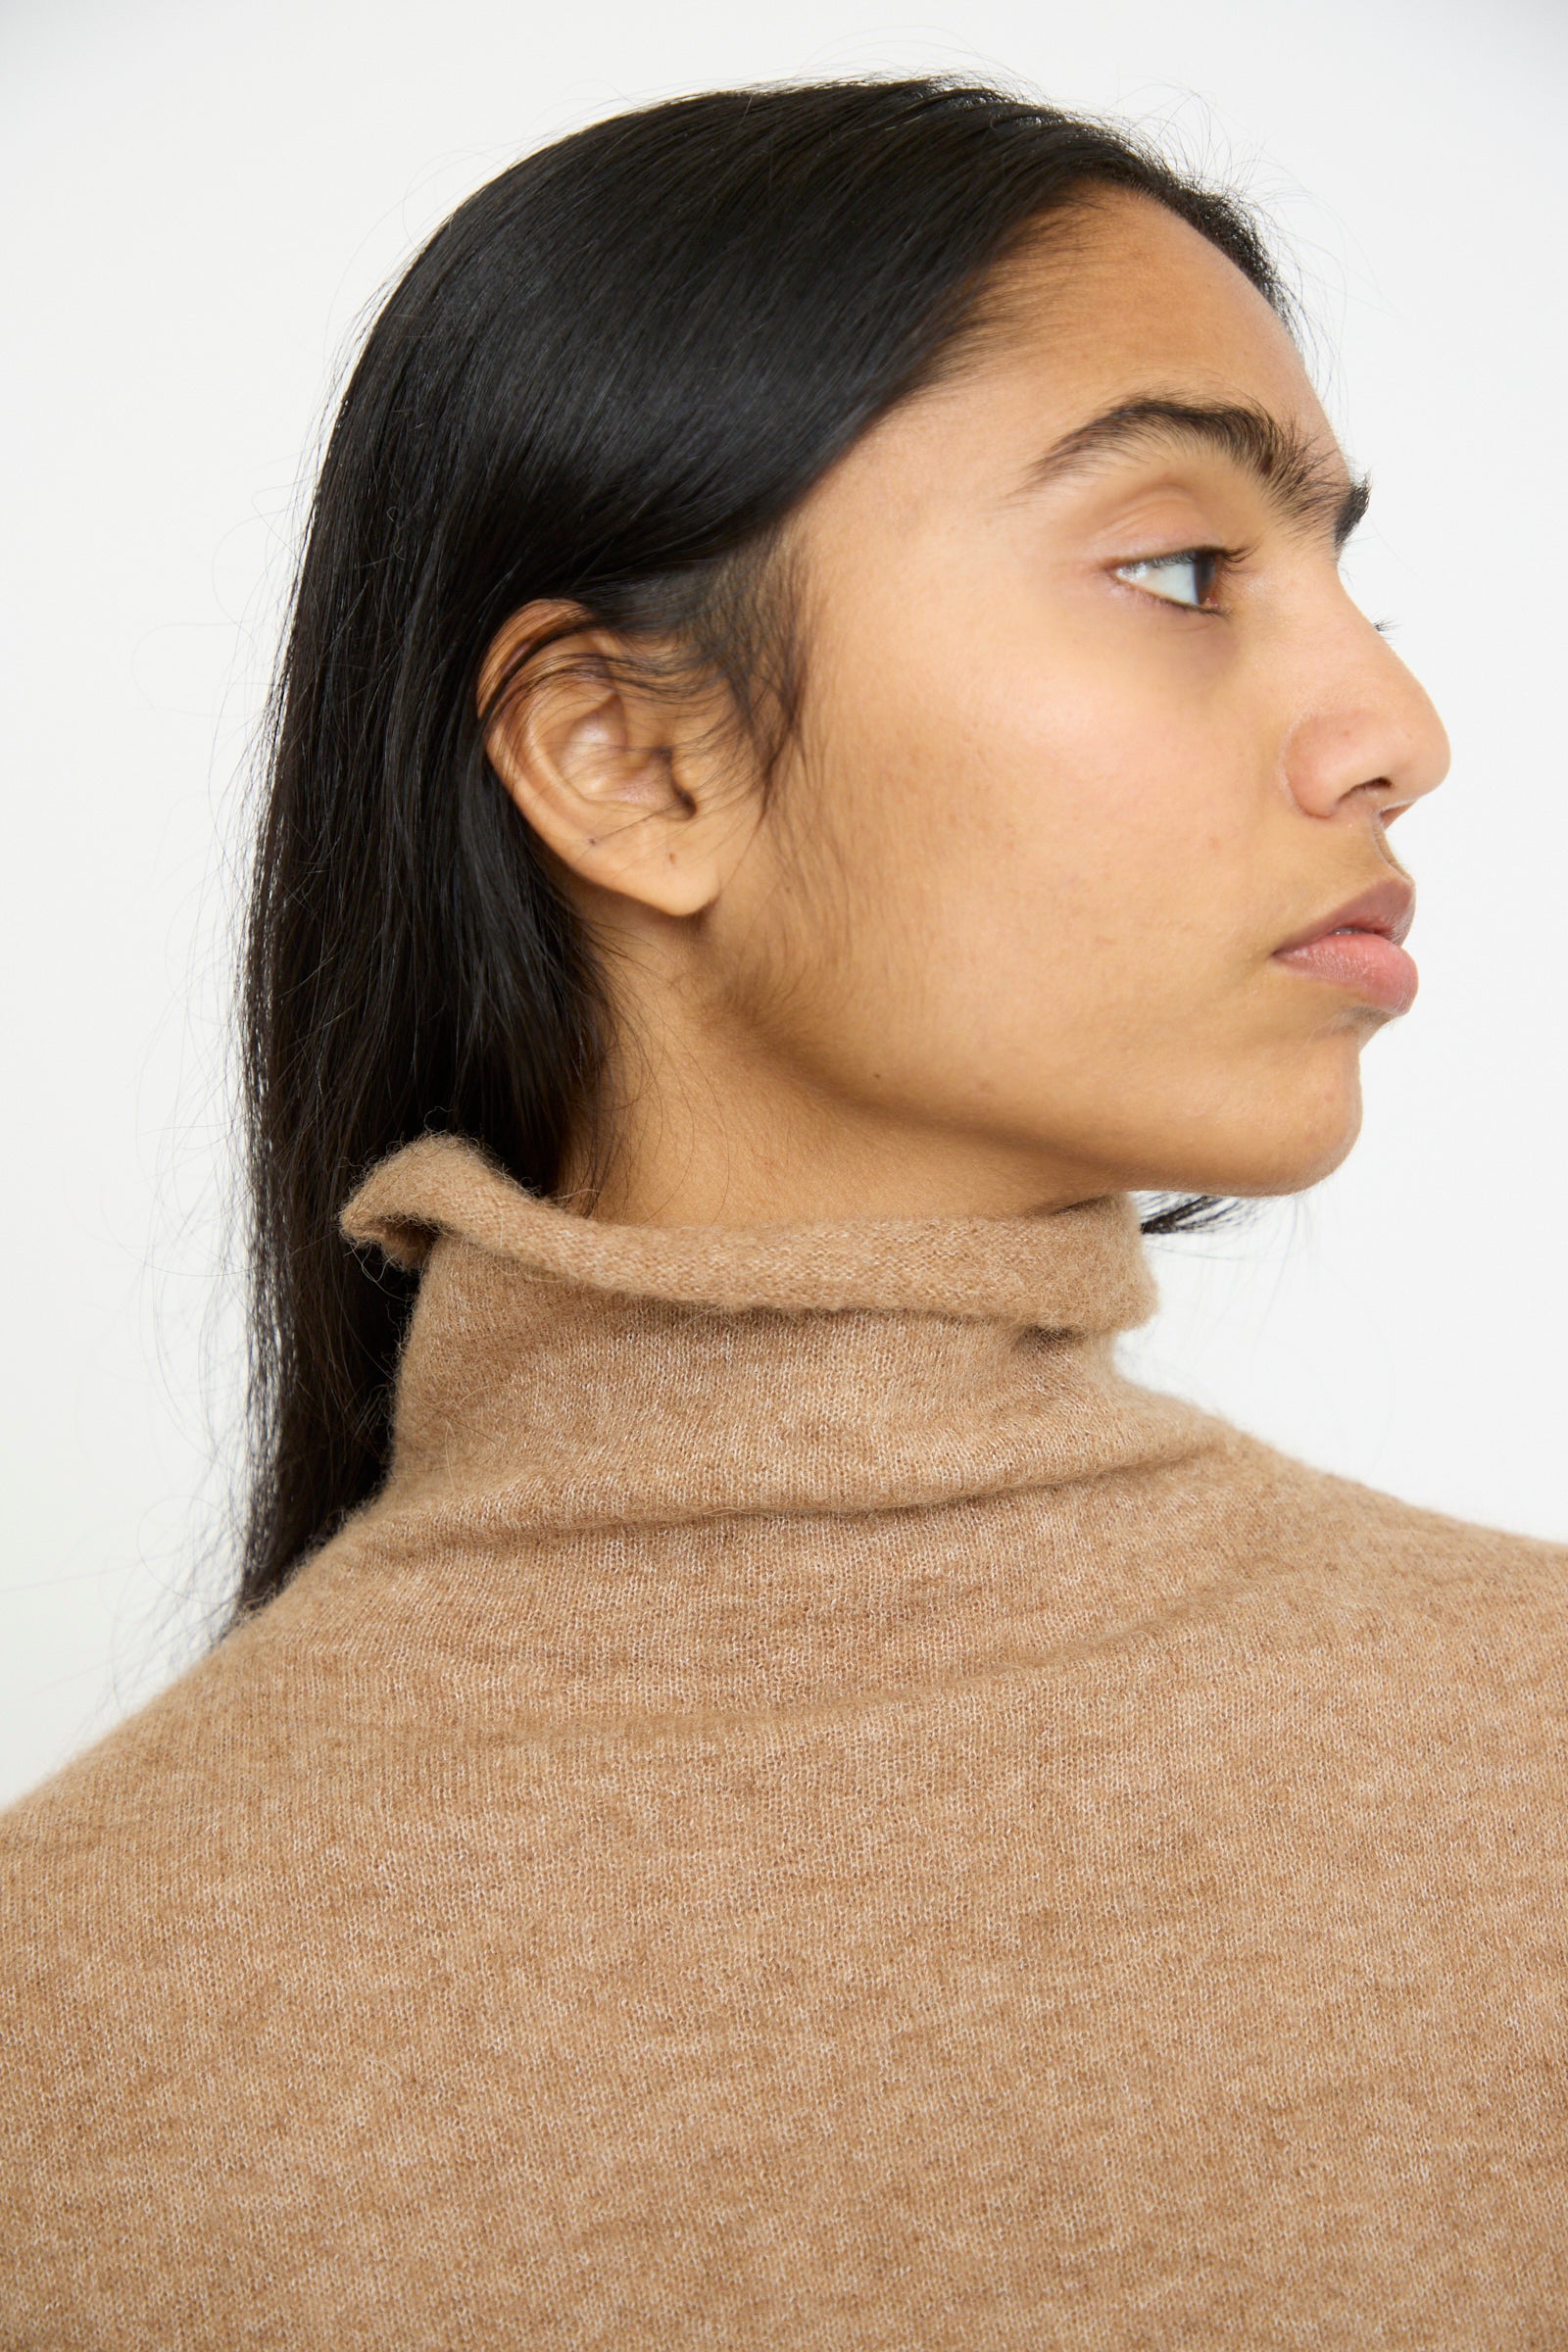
pixel 1002 937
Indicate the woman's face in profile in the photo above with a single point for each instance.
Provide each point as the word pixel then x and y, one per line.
pixel 1092 731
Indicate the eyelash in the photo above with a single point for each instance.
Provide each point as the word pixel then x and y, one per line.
pixel 1224 560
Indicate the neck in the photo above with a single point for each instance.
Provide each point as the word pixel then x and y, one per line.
pixel 723 1135
pixel 573 1372
pixel 687 1466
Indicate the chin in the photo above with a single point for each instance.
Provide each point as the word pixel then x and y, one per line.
pixel 1287 1172
pixel 1287 1141
pixel 1291 1160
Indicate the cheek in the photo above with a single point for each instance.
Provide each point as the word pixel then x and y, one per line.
pixel 1046 830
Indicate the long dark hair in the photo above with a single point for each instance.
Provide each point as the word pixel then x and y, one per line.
pixel 606 378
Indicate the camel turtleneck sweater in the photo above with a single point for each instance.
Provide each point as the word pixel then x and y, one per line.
pixel 808 1812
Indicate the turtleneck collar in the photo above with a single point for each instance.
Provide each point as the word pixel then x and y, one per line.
pixel 567 1373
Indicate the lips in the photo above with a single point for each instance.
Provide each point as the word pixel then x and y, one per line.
pixel 1388 909
pixel 1358 948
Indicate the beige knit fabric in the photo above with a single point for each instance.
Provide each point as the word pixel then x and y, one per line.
pixel 810 1812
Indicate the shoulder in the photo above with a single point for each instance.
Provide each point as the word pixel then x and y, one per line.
pixel 182 1795
pixel 166 1787
pixel 1315 1536
pixel 231 1743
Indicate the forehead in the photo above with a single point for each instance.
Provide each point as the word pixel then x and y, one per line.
pixel 1118 287
pixel 1117 299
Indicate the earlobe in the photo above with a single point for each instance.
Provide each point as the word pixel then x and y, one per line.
pixel 589 763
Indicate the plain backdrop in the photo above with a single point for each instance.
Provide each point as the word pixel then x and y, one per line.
pixel 200 203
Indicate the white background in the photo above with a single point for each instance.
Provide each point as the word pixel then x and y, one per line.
pixel 199 202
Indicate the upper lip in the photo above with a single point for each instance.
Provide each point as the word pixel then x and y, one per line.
pixel 1388 908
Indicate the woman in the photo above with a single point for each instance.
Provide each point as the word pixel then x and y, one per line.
pixel 765 1793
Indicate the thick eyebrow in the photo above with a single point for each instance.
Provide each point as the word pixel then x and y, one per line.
pixel 1305 485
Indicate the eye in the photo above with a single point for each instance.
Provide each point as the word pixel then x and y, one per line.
pixel 1187 578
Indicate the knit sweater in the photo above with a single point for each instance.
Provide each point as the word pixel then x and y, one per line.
pixel 810 1811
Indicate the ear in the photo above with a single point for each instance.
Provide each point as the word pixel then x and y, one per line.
pixel 609 775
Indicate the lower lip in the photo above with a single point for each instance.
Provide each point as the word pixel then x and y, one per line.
pixel 1379 972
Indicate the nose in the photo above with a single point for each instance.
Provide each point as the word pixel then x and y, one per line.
pixel 1368 734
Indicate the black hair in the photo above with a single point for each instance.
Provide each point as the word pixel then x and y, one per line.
pixel 608 378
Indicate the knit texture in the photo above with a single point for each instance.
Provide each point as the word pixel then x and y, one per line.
pixel 810 1812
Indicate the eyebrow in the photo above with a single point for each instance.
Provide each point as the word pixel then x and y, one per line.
pixel 1307 486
